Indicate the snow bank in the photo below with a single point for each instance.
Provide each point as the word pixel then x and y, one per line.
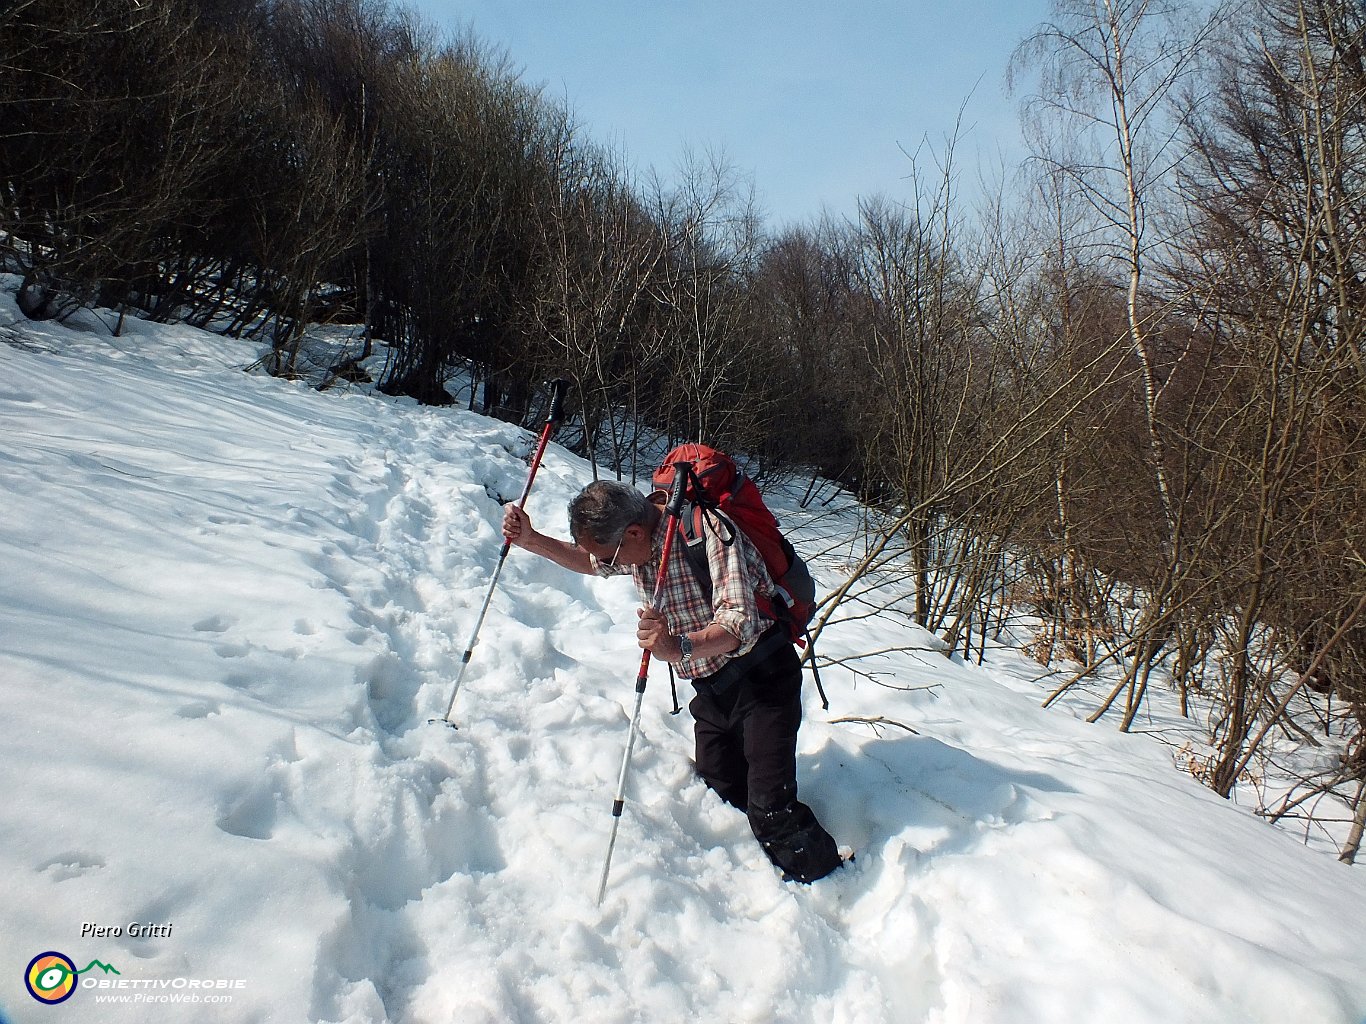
pixel 229 606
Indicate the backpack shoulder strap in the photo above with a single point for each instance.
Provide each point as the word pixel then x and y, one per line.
pixel 693 526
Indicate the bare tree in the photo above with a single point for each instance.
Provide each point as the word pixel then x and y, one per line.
pixel 714 241
pixel 112 118
pixel 1102 121
pixel 597 255
pixel 1279 229
pixel 465 166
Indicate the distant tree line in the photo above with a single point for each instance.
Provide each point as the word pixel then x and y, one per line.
pixel 1133 398
pixel 256 166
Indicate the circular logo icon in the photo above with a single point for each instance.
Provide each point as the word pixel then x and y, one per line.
pixel 50 977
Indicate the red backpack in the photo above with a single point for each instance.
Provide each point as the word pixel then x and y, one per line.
pixel 721 492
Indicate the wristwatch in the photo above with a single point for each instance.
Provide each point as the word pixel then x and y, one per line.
pixel 685 645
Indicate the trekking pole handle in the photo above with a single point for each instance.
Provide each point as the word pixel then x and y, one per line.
pixel 682 474
pixel 559 387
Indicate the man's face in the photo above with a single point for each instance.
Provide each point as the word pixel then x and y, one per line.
pixel 634 549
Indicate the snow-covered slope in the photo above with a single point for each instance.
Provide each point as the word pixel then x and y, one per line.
pixel 228 606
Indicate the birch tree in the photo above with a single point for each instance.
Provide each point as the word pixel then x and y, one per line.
pixel 1102 122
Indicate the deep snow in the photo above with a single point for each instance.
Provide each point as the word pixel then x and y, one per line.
pixel 229 605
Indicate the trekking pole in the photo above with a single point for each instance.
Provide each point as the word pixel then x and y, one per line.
pixel 552 420
pixel 816 672
pixel 673 510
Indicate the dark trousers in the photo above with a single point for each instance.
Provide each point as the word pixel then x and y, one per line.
pixel 745 720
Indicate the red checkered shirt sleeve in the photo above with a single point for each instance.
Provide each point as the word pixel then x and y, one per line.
pixel 738 574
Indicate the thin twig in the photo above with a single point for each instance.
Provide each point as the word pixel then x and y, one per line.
pixel 877 723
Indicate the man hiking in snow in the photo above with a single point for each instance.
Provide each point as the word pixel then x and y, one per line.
pixel 746 673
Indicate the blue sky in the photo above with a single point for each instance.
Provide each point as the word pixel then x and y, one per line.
pixel 815 100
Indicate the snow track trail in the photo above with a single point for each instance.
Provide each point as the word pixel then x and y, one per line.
pixel 229 607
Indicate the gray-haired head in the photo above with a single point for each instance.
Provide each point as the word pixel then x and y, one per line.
pixel 603 510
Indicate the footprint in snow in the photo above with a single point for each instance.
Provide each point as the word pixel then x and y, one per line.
pixel 198 709
pixel 66 866
pixel 251 813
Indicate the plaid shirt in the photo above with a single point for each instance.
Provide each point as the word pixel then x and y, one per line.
pixel 737 572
